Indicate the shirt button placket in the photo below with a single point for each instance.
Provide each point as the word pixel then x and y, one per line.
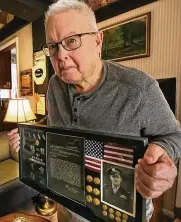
pixel 75 110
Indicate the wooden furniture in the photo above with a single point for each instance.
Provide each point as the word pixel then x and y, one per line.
pixel 5 64
pixel 29 218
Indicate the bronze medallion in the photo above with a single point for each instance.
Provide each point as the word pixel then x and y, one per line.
pixel 89 178
pixel 118 214
pixel 96 191
pixel 96 201
pixel 111 216
pixel 111 210
pixel 96 180
pixel 104 207
pixel 89 189
pixel 125 216
pixel 89 198
pixel 104 213
pixel 118 219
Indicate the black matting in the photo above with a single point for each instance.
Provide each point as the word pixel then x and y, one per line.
pixel 92 174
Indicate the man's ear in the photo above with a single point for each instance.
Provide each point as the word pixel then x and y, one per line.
pixel 99 41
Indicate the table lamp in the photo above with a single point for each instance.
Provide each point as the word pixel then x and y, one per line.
pixel 19 111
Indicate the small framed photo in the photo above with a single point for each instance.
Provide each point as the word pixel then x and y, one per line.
pixel 118 187
pixel 26 83
pixel 129 39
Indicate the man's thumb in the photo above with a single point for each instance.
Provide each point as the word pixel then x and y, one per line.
pixel 155 153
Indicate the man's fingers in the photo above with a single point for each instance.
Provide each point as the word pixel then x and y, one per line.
pixel 14 136
pixel 145 191
pixel 150 182
pixel 12 132
pixel 158 170
pixel 155 153
pixel 146 179
pixel 17 148
pixel 14 143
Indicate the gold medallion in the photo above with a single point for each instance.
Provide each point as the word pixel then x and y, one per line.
pixel 125 216
pixel 118 219
pixel 104 207
pixel 89 189
pixel 89 198
pixel 123 220
pixel 111 216
pixel 111 210
pixel 96 180
pixel 37 142
pixel 96 201
pixel 89 178
pixel 96 191
pixel 104 213
pixel 118 214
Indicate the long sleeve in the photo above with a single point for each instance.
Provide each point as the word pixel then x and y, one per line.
pixel 159 122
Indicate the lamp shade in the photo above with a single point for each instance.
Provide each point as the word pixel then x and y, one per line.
pixel 19 110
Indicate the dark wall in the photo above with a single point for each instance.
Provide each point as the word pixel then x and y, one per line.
pixel 38 32
pixel 168 87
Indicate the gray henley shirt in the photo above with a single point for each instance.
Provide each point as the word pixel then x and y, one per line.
pixel 125 101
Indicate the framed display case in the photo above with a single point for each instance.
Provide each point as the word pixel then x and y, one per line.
pixel 92 174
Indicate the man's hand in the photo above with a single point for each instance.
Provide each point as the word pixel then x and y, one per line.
pixel 155 173
pixel 13 137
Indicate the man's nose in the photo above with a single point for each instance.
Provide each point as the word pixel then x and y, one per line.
pixel 62 53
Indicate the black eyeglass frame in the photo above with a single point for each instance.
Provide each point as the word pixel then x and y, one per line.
pixel 57 43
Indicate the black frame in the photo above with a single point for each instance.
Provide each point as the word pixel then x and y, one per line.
pixel 119 7
pixel 138 144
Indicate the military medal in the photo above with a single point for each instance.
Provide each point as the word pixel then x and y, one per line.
pixel 89 189
pixel 89 198
pixel 118 214
pixel 96 180
pixel 104 213
pixel 111 210
pixel 104 207
pixel 111 216
pixel 96 191
pixel 125 216
pixel 96 201
pixel 118 219
pixel 89 178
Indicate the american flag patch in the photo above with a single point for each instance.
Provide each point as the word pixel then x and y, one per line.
pixel 93 155
pixel 115 153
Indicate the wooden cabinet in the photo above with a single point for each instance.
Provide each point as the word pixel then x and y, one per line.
pixel 5 70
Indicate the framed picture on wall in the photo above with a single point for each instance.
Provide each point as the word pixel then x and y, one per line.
pixel 99 3
pixel 129 39
pixel 26 83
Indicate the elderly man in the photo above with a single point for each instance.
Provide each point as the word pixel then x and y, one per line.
pixel 91 94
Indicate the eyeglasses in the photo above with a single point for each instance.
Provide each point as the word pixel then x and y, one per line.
pixel 69 43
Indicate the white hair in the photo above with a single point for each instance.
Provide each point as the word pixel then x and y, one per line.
pixel 67 5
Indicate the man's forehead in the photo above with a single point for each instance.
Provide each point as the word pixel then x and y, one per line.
pixel 60 26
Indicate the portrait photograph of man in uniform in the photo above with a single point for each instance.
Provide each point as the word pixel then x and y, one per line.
pixel 89 93
pixel 118 187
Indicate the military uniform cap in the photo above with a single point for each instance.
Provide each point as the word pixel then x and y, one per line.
pixel 114 170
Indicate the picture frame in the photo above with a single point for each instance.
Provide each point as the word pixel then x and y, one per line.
pixel 91 163
pixel 118 7
pixel 129 39
pixel 26 83
pixel 95 5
